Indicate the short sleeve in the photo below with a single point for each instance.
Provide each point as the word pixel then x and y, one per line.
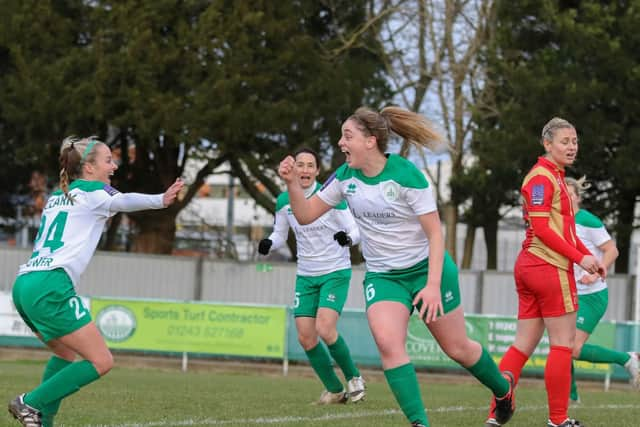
pixel 421 200
pixel 331 191
pixel 599 236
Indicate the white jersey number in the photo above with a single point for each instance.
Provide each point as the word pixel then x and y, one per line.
pixel 296 300
pixel 370 292
pixel 79 308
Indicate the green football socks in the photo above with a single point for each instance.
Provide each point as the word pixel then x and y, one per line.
pixel 597 354
pixel 573 394
pixel 404 385
pixel 340 353
pixel 487 372
pixel 321 364
pixel 54 365
pixel 67 381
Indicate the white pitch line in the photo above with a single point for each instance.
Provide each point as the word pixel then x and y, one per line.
pixel 326 417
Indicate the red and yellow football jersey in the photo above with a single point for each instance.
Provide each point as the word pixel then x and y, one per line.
pixel 545 195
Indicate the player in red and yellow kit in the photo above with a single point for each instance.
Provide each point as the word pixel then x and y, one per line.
pixel 544 271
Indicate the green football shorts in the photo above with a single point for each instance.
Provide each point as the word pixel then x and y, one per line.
pixel 329 290
pixel 403 285
pixel 48 303
pixel 591 308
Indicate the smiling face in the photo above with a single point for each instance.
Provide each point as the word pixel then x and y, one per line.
pixel 306 169
pixel 563 148
pixel 101 167
pixel 355 144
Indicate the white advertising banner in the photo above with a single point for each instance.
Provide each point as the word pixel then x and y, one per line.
pixel 11 324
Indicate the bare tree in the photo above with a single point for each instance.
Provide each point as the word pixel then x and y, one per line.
pixel 431 51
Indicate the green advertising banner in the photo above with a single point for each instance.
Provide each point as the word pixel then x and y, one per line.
pixel 501 333
pixel 424 350
pixel 496 334
pixel 191 327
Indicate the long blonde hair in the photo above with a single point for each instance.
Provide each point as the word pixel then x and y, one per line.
pixel 411 126
pixel 74 153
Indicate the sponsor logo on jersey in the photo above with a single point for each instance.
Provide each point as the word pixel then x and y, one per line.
pixel 351 189
pixel 116 323
pixel 110 190
pixel 537 195
pixel 310 228
pixel 390 191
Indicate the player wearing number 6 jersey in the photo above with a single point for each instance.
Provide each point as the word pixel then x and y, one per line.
pixel 322 282
pixel 44 291
pixel 403 246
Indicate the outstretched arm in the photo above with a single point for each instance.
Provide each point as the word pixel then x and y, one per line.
pixel 131 202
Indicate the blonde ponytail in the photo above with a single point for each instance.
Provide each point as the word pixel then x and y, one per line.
pixel 411 126
pixel 74 153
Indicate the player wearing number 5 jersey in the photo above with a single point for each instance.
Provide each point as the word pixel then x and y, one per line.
pixel 403 246
pixel 322 282
pixel 44 292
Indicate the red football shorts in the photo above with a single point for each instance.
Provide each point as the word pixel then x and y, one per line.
pixel 544 290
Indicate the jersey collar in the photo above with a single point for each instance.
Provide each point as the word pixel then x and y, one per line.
pixel 543 161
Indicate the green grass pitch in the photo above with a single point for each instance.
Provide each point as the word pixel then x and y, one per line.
pixel 156 397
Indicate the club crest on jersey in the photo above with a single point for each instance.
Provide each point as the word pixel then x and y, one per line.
pixel 537 195
pixel 390 191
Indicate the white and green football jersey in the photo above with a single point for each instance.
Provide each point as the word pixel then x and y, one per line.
pixel 69 232
pixel 386 208
pixel 318 252
pixel 592 233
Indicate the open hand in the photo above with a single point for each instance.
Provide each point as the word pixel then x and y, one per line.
pixel 170 195
pixel 429 301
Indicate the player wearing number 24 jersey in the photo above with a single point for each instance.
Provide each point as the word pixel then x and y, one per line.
pixel 44 292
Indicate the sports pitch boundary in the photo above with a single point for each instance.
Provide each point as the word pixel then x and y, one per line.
pixel 328 417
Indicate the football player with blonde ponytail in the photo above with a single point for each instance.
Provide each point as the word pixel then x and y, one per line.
pixel 44 292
